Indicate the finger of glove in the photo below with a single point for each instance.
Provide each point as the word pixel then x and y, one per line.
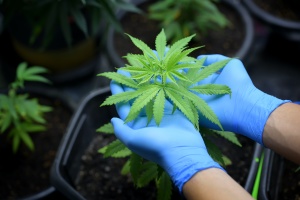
pixel 122 131
pixel 116 88
pixel 232 75
pixel 124 107
pixel 125 73
pixel 210 59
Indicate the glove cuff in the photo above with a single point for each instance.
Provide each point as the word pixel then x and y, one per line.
pixel 259 114
pixel 189 169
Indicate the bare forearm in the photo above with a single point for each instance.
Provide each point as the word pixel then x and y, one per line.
pixel 213 183
pixel 282 131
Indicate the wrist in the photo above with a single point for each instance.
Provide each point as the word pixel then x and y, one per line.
pixel 214 183
pixel 186 168
pixel 256 114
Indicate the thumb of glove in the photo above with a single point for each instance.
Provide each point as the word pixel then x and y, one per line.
pixel 122 130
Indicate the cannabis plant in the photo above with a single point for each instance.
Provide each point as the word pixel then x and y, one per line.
pixel 167 74
pixel 20 115
pixel 51 16
pixel 181 18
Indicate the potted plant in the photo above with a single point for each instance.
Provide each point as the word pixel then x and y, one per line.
pixel 226 28
pixel 281 17
pixel 81 172
pixel 31 126
pixel 63 36
pixel 81 143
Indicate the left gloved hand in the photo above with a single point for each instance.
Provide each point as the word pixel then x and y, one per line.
pixel 175 144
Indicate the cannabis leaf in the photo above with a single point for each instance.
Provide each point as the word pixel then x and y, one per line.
pixel 166 74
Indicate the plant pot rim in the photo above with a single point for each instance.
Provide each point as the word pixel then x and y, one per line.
pixel 258 149
pixel 242 53
pixel 40 195
pixel 67 143
pixel 271 19
pixel 271 160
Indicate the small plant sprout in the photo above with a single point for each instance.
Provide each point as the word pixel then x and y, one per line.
pixel 19 115
pixel 168 73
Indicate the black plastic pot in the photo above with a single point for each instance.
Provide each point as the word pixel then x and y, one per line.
pixel 243 52
pixel 47 93
pixel 82 130
pixel 249 185
pixel 275 177
pixel 287 28
pixel 271 176
pixel 79 134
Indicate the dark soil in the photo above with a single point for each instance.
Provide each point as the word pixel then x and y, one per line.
pixel 291 182
pixel 27 172
pixel 100 178
pixel 286 9
pixel 224 41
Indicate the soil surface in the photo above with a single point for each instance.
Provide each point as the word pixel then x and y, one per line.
pixel 100 178
pixel 291 182
pixel 27 172
pixel 286 9
pixel 225 41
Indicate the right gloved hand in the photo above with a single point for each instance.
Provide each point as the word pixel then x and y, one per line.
pixel 248 108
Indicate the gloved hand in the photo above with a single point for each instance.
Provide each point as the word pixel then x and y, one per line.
pixel 248 108
pixel 175 145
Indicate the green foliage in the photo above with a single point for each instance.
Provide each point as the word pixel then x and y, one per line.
pixel 88 15
pixel 20 115
pixel 167 74
pixel 180 18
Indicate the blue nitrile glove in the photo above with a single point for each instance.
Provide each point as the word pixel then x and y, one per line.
pixel 248 108
pixel 175 145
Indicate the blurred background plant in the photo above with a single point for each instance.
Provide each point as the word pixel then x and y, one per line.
pixel 19 114
pixel 45 16
pixel 182 18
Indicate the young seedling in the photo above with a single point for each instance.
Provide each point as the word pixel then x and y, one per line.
pixel 168 73
pixel 19 115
